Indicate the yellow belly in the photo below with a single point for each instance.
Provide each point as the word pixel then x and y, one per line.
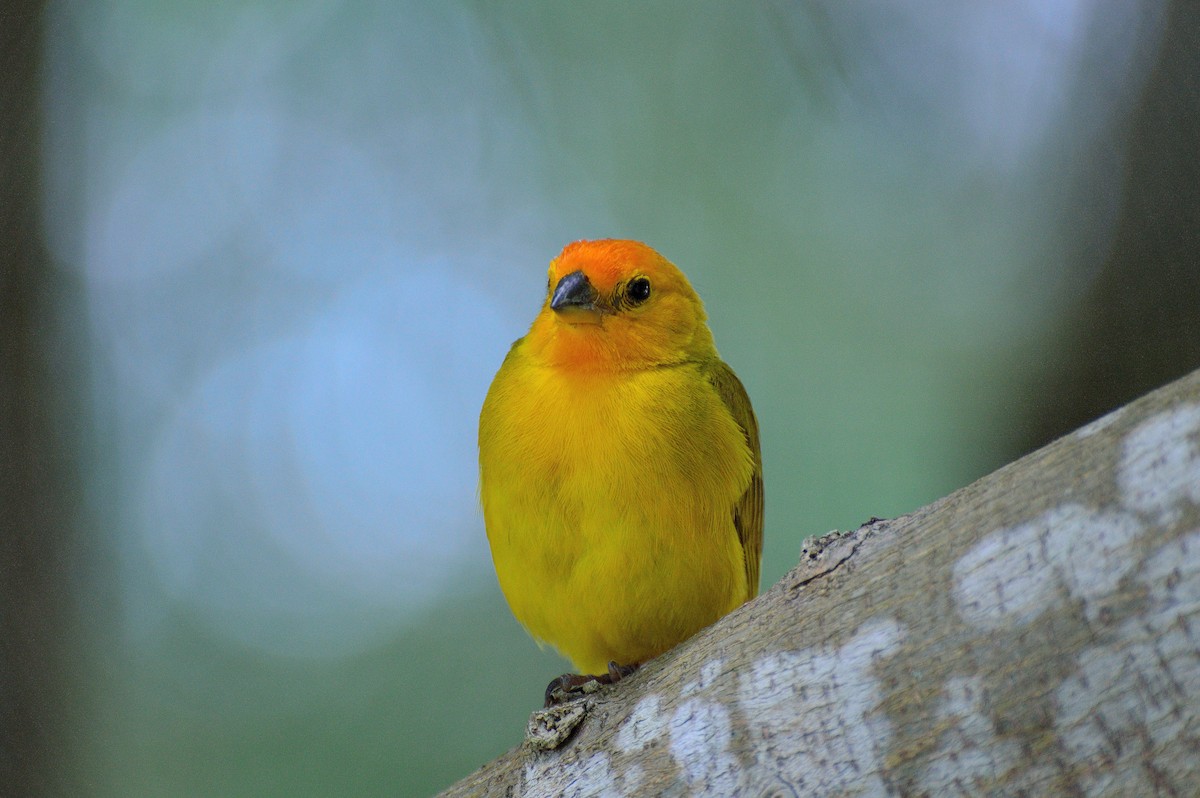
pixel 608 507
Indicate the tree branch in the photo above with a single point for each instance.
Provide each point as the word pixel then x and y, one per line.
pixel 1037 632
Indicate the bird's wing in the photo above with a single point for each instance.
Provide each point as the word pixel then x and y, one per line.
pixel 748 511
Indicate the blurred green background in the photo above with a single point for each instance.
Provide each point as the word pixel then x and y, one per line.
pixel 262 259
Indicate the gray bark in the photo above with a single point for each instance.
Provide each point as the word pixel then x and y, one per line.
pixel 1035 633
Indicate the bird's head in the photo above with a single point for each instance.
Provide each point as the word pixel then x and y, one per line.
pixel 618 305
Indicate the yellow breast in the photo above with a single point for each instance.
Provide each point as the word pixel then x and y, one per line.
pixel 609 504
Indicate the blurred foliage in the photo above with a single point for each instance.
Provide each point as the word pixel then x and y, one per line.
pixel 194 714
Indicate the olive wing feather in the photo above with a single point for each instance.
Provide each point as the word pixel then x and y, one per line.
pixel 748 510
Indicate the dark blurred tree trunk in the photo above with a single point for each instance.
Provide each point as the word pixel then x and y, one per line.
pixel 37 494
pixel 1138 324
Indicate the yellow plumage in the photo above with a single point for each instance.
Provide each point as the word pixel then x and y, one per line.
pixel 620 472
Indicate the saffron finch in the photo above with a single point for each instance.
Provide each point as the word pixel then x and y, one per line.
pixel 620 472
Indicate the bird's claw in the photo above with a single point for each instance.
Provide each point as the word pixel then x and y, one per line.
pixel 573 685
pixel 618 672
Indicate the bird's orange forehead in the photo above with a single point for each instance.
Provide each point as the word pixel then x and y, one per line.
pixel 606 262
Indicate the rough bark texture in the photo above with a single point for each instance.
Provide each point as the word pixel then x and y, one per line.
pixel 1036 633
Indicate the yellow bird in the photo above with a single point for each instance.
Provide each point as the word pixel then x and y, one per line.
pixel 620 471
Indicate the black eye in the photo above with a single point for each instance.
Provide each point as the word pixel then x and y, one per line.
pixel 638 290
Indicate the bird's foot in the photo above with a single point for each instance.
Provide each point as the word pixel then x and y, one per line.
pixel 572 685
pixel 618 672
